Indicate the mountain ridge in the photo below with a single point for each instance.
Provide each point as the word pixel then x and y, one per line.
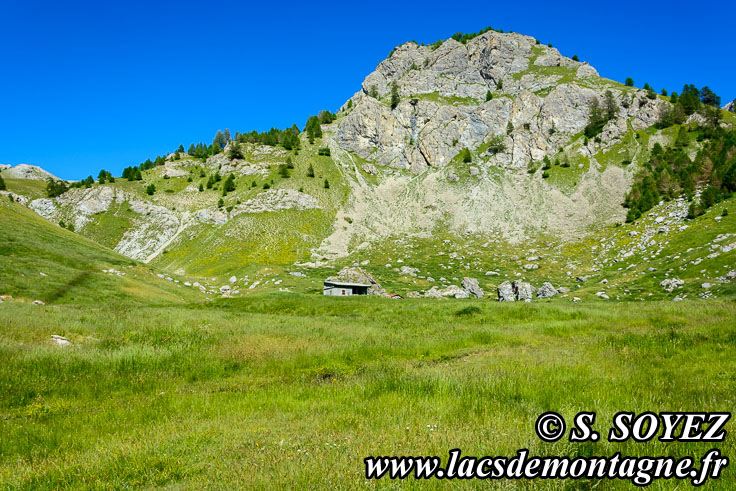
pixel 495 140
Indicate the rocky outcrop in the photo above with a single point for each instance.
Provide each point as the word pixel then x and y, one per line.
pixel 471 286
pixel 731 106
pixel 546 290
pixel 671 283
pixel 275 200
pixel 523 290
pixel 506 292
pixel 25 171
pixel 443 106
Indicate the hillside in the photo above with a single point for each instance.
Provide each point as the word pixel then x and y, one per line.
pixel 492 146
pixel 41 261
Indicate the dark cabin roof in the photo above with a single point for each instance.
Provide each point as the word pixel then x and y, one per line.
pixel 345 283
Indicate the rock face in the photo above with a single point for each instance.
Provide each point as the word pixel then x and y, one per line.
pixel 731 106
pixel 443 100
pixel 546 290
pixel 510 102
pixel 471 286
pixel 354 274
pixel 506 292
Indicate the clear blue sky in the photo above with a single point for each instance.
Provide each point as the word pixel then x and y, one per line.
pixel 91 85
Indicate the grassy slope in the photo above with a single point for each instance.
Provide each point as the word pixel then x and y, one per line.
pixel 298 389
pixel 29 246
pixel 273 238
pixel 27 187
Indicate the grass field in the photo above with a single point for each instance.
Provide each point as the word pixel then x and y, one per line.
pixel 298 389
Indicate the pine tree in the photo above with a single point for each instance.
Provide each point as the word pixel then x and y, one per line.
pixel 2 184
pixel 150 189
pixel 629 82
pixel 310 171
pixel 395 99
pixel 235 151
pixel 327 184
pixel 229 185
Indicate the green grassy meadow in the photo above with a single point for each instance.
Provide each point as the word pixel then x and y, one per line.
pixel 298 389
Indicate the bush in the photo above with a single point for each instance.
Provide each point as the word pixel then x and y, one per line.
pixel 325 152
pixel 284 171
pixel 220 203
pixel 266 185
pixel 466 156
pixel 629 82
pixel 327 184
pixel 489 96
pixel 310 171
pixel 545 175
pixel 2 184
pixel 575 58
pixel 150 189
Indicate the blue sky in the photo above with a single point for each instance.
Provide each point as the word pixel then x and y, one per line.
pixel 91 85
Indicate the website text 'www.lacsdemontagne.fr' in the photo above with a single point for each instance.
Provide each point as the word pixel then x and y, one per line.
pixel 641 471
pixel 550 427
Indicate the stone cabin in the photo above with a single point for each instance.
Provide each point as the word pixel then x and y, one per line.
pixel 344 289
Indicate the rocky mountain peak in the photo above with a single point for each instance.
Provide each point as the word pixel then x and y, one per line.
pixel 424 104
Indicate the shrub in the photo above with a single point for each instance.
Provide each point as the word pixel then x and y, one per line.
pixel 575 58
pixel 327 184
pixel 324 152
pixel 266 185
pixel 629 82
pixel 284 171
pixel 150 189
pixel 220 203
pixel 2 184
pixel 310 171
pixel 545 175
pixel 489 96
pixel 466 156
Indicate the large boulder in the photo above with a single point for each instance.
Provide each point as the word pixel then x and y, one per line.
pixel 354 274
pixel 506 292
pixel 454 291
pixel 523 290
pixel 471 286
pixel 546 290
